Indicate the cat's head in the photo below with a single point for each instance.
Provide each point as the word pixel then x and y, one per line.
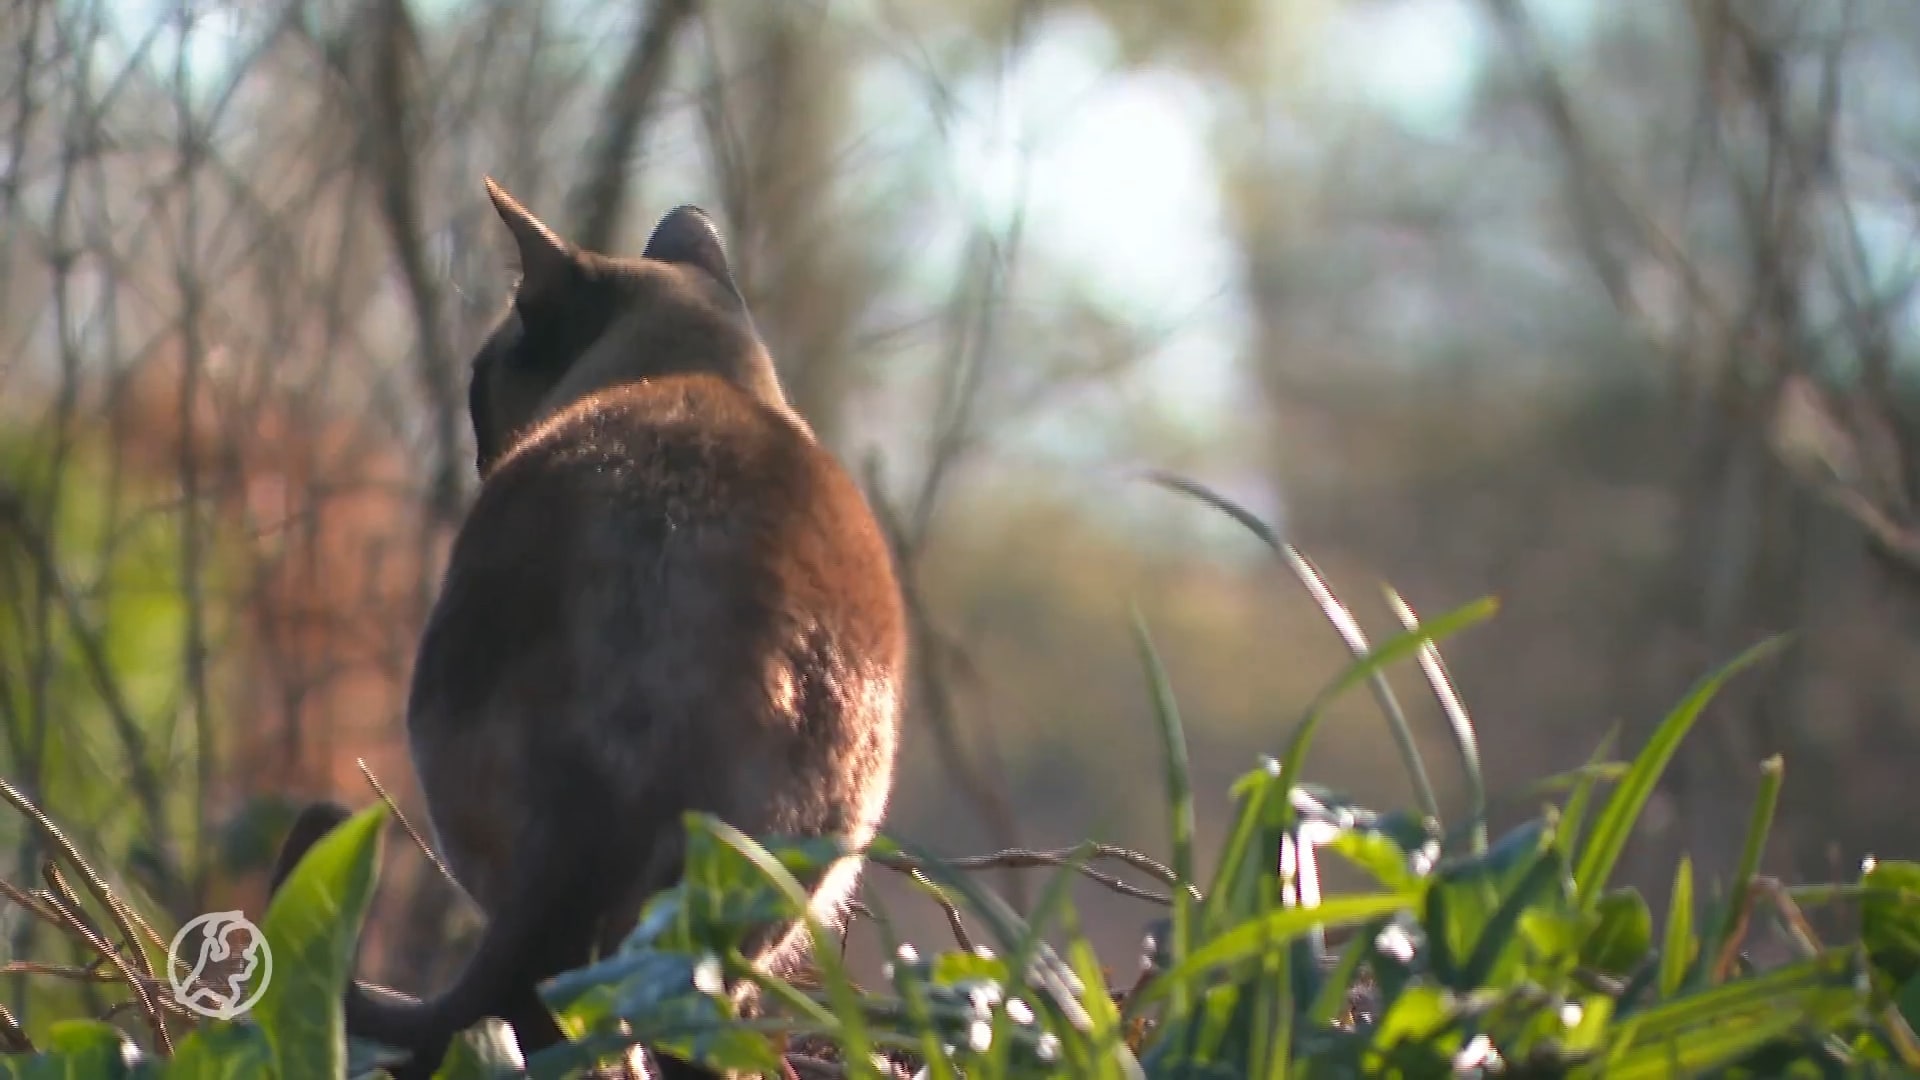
pixel 581 322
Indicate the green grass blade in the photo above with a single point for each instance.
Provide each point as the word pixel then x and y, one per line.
pixel 1701 1031
pixel 1103 1018
pixel 1622 811
pixel 1758 826
pixel 1278 1052
pixel 1592 773
pixel 1173 743
pixel 1501 932
pixel 1573 817
pixel 1055 903
pixel 1251 938
pixel 1333 999
pixel 1244 861
pixel 1678 950
pixel 847 1009
pixel 1392 650
pixel 1008 928
pixel 1273 986
pixel 1408 643
pixel 1788 986
pixel 1459 724
pixel 1337 616
pixel 1345 625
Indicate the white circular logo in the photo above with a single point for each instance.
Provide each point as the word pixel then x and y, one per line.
pixel 233 955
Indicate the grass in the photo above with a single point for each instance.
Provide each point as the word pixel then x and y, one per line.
pixel 1465 954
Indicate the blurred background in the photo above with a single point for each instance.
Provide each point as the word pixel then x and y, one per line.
pixel 1605 309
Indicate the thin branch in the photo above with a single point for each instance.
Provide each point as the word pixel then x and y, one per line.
pixel 419 841
pixel 599 198
pixel 108 902
pixel 13 1038
pixel 1028 859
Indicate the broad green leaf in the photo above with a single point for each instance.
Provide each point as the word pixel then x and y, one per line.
pixel 222 1051
pixel 76 1050
pixel 1591 1030
pixel 1622 811
pixel 487 1051
pixel 1378 855
pixel 1420 1015
pixel 1621 936
pixel 1473 906
pixel 312 930
pixel 1890 919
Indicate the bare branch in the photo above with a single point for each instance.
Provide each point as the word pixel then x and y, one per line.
pixel 599 197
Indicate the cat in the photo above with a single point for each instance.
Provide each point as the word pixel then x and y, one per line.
pixel 666 596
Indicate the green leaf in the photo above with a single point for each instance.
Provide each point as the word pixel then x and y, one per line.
pixel 1907 1000
pixel 1248 860
pixel 1335 991
pixel 1055 903
pixel 1680 947
pixel 1758 826
pixel 1388 652
pixel 1466 742
pixel 312 930
pixel 1621 936
pixel 1587 1035
pixel 852 1029
pixel 486 1051
pixel 218 1050
pixel 1377 854
pixel 1573 816
pixel 1109 1053
pixel 1709 1029
pixel 1473 907
pixel 1409 1041
pixel 1890 919
pixel 1622 811
pixel 1254 937
pixel 76 1050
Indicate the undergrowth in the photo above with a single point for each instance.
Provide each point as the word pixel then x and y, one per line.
pixel 1464 955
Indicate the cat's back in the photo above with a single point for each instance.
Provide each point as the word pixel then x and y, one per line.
pixel 691 465
pixel 677 518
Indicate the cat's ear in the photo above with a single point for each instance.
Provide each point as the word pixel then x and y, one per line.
pixel 544 257
pixel 688 236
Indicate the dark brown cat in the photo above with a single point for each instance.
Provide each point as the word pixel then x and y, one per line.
pixel 666 597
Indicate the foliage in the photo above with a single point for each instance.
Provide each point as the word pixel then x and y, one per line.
pixel 1459 957
pixel 92 719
